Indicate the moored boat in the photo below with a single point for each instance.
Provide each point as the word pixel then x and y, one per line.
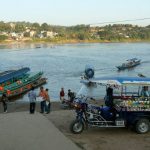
pixel 129 64
pixel 24 89
pixel 14 80
pixel 20 85
pixel 12 75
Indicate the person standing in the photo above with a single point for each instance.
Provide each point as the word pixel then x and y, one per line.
pixel 42 94
pixel 4 100
pixel 69 95
pixel 62 95
pixel 47 103
pixel 32 99
pixel 145 92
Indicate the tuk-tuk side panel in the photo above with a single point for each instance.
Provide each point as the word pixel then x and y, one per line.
pixel 131 117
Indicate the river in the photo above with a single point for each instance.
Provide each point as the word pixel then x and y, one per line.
pixel 63 65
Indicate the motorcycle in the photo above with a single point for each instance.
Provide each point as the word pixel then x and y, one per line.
pixel 88 115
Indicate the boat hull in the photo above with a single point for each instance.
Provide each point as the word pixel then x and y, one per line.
pixel 128 66
pixel 23 90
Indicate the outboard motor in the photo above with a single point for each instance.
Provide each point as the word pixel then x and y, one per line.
pixel 89 71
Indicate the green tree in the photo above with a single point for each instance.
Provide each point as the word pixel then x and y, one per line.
pixel 45 27
pixel 3 37
pixel 19 28
pixel 36 26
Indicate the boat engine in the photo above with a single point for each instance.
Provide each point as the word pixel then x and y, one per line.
pixel 89 71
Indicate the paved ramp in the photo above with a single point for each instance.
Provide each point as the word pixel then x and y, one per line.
pixel 23 131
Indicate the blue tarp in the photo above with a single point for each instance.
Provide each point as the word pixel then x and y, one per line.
pixel 14 74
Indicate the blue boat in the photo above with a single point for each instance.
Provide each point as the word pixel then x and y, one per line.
pixel 129 64
pixel 12 74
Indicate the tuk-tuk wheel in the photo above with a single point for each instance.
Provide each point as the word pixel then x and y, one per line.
pixel 142 126
pixel 77 126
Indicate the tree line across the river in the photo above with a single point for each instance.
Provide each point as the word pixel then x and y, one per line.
pixel 55 33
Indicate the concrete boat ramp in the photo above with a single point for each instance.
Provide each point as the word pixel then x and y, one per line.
pixel 24 131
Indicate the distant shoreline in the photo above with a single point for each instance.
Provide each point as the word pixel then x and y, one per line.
pixel 12 42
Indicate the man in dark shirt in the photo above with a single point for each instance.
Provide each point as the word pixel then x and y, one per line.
pixel 109 97
pixel 71 96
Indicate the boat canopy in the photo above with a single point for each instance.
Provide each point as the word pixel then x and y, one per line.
pixel 14 74
pixel 118 81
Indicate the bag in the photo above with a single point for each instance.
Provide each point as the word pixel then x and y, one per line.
pixel 39 98
pixel 47 103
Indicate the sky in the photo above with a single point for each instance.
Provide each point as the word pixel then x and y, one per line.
pixel 73 12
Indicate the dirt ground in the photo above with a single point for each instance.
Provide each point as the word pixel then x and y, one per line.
pixel 100 138
pixel 92 138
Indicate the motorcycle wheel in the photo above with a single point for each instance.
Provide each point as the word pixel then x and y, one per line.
pixel 76 126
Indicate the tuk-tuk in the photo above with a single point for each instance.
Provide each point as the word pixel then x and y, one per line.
pixel 123 107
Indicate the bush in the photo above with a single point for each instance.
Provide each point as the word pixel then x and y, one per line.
pixel 3 37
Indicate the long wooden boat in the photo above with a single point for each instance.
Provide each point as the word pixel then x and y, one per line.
pixel 20 83
pixel 12 75
pixel 14 80
pixel 15 94
pixel 129 64
pixel 5 72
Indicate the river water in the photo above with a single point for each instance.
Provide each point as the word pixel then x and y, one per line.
pixel 63 65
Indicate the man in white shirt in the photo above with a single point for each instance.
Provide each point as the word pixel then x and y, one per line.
pixel 32 99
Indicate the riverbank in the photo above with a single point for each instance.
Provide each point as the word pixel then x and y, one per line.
pixel 71 41
pixel 18 106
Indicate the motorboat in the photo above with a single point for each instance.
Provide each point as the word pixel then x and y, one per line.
pixel 129 64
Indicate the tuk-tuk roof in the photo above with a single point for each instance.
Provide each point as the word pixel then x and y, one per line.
pixel 119 81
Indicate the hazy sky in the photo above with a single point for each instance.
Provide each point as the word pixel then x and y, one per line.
pixel 72 12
